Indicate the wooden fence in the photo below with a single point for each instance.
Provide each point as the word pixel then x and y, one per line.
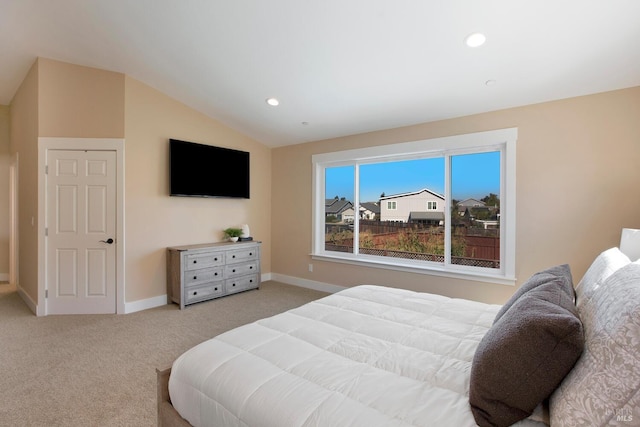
pixel 481 247
pixel 473 262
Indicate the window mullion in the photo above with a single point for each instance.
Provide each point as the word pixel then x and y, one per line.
pixel 356 209
pixel 447 209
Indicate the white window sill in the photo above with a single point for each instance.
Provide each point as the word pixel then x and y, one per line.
pixel 434 269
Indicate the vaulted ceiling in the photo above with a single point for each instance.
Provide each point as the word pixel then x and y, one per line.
pixel 337 67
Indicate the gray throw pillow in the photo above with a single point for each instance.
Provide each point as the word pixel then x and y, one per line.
pixel 560 273
pixel 525 355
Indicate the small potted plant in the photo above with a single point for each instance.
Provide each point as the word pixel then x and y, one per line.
pixel 233 233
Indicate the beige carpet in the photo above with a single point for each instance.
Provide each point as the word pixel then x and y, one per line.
pixel 99 370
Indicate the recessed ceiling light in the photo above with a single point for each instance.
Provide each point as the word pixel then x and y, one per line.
pixel 475 40
pixel 272 101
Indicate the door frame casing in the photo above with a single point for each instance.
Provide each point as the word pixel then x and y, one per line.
pixel 85 144
pixel 13 220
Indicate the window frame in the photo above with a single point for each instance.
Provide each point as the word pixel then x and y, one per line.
pixel 503 140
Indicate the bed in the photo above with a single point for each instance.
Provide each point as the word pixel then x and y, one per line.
pixel 557 353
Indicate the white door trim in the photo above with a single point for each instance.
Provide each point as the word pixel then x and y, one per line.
pixel 111 144
pixel 13 220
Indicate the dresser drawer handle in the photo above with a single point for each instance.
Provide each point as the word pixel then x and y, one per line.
pixel 233 285
pixel 215 274
pixel 215 259
pixel 215 289
pixel 233 256
pixel 251 267
pixel 195 261
pixel 234 270
pixel 195 293
pixel 195 277
pixel 250 253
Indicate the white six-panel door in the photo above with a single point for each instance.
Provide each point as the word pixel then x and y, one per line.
pixel 81 231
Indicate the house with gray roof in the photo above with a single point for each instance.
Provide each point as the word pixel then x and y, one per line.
pixel 417 206
pixel 337 207
pixel 369 210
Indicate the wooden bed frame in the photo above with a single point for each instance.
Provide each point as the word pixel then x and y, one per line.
pixel 167 415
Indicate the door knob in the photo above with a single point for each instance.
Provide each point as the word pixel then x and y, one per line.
pixel 109 241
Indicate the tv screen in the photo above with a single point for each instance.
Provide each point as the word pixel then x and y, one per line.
pixel 199 170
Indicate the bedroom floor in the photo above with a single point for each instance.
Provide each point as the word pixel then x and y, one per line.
pixel 99 370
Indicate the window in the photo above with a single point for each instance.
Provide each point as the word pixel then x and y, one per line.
pixel 446 206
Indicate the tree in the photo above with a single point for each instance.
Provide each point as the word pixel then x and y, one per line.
pixel 492 200
pixel 331 219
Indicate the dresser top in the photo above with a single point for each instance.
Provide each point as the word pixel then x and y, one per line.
pixel 227 245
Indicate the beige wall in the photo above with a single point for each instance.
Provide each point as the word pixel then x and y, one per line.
pixel 577 173
pixel 81 102
pixel 5 162
pixel 153 219
pixel 24 142
pixel 57 99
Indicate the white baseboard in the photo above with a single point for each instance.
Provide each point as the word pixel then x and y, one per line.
pixel 27 300
pixel 145 304
pixel 309 284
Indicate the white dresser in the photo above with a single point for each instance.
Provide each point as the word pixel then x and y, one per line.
pixel 202 272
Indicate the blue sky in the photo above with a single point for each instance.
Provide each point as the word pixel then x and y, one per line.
pixel 473 176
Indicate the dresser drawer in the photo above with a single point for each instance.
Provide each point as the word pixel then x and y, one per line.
pixel 203 275
pixel 242 255
pixel 203 260
pixel 241 283
pixel 203 292
pixel 235 270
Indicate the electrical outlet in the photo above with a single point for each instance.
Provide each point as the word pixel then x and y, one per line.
pixel 311 268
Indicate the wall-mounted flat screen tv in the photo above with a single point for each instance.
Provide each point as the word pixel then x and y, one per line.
pixel 199 170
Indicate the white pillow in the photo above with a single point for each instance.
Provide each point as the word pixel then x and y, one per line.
pixel 602 267
pixel 603 388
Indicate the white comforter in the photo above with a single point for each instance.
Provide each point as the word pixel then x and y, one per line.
pixel 366 356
